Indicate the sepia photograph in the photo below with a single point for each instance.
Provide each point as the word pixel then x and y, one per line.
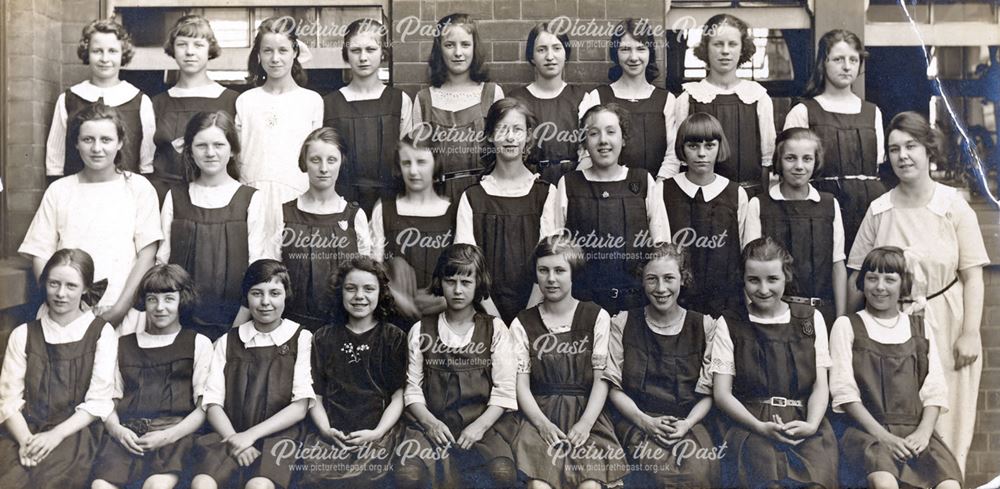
pixel 282 244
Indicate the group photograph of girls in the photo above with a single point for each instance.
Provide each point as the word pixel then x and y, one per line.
pixel 449 283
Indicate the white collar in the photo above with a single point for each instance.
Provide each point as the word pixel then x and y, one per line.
pixel 785 317
pixel 83 321
pixel 279 336
pixel 775 193
pixel 939 204
pixel 113 96
pixel 704 92
pixel 710 191
pixel 517 189
pixel 212 90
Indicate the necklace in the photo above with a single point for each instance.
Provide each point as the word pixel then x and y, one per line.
pixel 665 325
pixel 884 325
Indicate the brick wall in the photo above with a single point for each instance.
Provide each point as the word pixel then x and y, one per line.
pixel 503 29
pixel 984 459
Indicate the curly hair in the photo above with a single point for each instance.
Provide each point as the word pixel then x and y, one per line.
pixel 639 31
pixel 438 68
pixel 105 26
pixel 98 112
pixel 335 289
pixel 194 26
pixel 671 251
pixel 708 31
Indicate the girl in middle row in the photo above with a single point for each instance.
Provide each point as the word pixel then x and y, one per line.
pixel 612 212
pixel 502 214
pixel 453 107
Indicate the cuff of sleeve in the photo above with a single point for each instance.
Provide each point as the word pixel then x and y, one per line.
pixel 100 409
pixel 10 409
pixel 940 403
pixel 841 400
pixel 720 367
pixel 703 389
pixel 311 400
pixel 207 401
pixel 504 402
pixel 413 399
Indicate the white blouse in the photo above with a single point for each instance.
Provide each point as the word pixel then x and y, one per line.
pixel 599 351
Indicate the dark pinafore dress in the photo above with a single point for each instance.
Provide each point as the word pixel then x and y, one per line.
pixel 776 360
pixel 172 117
pixel 211 244
pixel 647 143
pixel 742 129
pixel 850 166
pixel 616 210
pixel 56 380
pixel 420 240
pixel 805 229
pixel 558 133
pixel 507 230
pixel 157 395
pixel 562 377
pixel 258 386
pixel 713 288
pixel 889 378
pixel 659 374
pixel 457 385
pixel 356 376
pixel 313 246
pixel 456 136
pixel 129 114
pixel 371 130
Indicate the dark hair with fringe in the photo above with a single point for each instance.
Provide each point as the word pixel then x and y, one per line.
pixel 169 278
pixel 265 270
pixel 194 26
pixel 700 127
pixel 366 25
pixel 641 32
pixel 817 82
pixel 73 258
pixel 497 112
pixel 624 120
pixel 796 134
pixel 767 249
pixel 887 259
pixel 285 26
pixel 438 68
pixel 537 30
pixel 917 126
pixel 204 120
pixel 326 135
pixel 560 244
pixel 100 112
pixel 335 289
pixel 422 142
pixel 105 26
pixel 708 31
pixel 463 259
pixel 671 251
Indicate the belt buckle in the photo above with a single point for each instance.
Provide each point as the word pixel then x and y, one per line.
pixel 815 301
pixel 777 401
pixel 614 293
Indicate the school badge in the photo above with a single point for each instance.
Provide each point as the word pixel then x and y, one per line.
pixel 343 225
pixel 283 350
pixel 605 194
pixel 807 328
pixel 634 187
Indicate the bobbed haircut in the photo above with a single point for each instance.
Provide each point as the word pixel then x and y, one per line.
pixel 105 26
pixel 462 259
pixel 193 26
pixel 100 112
pixel 438 68
pixel 700 127
pixel 640 32
pixel 716 22
pixel 537 30
pixel 335 288
pixel 169 278
pixel 796 134
pixel 671 251
pixel 817 82
pixel 560 244
pixel 204 120
pixel 887 259
pixel 262 271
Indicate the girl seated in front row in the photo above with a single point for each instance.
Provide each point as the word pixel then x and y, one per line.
pixel 887 376
pixel 460 386
pixel 265 360
pixel 658 370
pixel 57 379
pixel 359 370
pixel 770 363
pixel 561 348
pixel 161 372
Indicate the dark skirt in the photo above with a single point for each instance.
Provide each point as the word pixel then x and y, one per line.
pixel 692 462
pixel 862 454
pixel 327 466
pixel 215 462
pixel 118 466
pixel 755 461
pixel 600 458
pixel 67 466
pixel 454 467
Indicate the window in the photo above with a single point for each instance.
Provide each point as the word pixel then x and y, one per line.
pixel 771 62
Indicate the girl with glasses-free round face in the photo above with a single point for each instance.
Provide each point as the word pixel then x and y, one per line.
pixel 99 144
pixel 604 139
